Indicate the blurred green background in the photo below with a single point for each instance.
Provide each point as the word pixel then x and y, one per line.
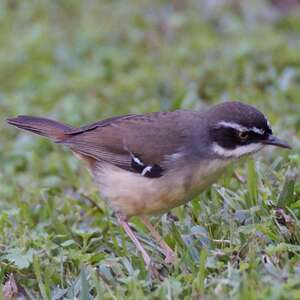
pixel 80 61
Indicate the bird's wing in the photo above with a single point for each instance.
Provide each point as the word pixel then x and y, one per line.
pixel 137 143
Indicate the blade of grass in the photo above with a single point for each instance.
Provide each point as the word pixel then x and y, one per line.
pixel 199 282
pixel 84 291
pixel 252 184
pixel 286 196
pixel 37 270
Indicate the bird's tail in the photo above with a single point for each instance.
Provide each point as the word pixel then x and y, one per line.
pixel 49 128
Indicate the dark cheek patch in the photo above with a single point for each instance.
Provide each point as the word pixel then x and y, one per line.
pixel 229 138
pixel 255 137
pixel 225 137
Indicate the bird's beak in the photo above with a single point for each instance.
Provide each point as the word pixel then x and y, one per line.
pixel 275 141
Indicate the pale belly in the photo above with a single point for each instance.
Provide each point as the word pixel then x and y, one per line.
pixel 132 194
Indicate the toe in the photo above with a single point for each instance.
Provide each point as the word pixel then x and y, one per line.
pixel 170 258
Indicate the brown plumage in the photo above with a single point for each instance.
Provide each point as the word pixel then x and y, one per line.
pixel 41 126
pixel 148 164
pixel 114 140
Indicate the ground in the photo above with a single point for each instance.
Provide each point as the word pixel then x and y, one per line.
pixel 80 61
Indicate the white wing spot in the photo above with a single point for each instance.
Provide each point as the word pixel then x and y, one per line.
pixel 136 159
pixel 146 170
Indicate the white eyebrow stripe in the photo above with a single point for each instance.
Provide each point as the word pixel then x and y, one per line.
pixel 257 130
pixel 268 123
pixel 240 127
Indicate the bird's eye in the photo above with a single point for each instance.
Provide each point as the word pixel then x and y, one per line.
pixel 243 135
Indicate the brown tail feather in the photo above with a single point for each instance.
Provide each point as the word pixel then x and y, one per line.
pixel 41 126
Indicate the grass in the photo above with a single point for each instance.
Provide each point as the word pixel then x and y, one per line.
pixel 79 61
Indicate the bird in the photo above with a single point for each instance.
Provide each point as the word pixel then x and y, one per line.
pixel 147 164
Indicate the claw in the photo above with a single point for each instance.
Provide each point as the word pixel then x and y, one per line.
pixel 170 257
pixel 154 272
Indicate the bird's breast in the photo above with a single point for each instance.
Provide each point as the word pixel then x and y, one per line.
pixel 132 194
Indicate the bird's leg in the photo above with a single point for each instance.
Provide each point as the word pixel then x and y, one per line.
pixel 170 255
pixel 123 222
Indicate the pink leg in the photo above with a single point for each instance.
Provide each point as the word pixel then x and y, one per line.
pixel 122 221
pixel 170 256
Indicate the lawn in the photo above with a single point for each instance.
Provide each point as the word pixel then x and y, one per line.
pixel 80 61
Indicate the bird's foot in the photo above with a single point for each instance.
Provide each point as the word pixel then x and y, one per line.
pixel 153 271
pixel 170 257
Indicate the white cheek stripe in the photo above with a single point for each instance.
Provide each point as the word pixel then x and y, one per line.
pixel 238 151
pixel 240 127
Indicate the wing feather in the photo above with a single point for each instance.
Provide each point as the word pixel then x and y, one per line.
pixel 151 137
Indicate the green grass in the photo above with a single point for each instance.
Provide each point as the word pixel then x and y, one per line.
pixel 79 61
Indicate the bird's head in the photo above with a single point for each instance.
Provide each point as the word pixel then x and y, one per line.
pixel 238 129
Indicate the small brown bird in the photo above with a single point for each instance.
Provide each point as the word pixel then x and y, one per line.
pixel 148 164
